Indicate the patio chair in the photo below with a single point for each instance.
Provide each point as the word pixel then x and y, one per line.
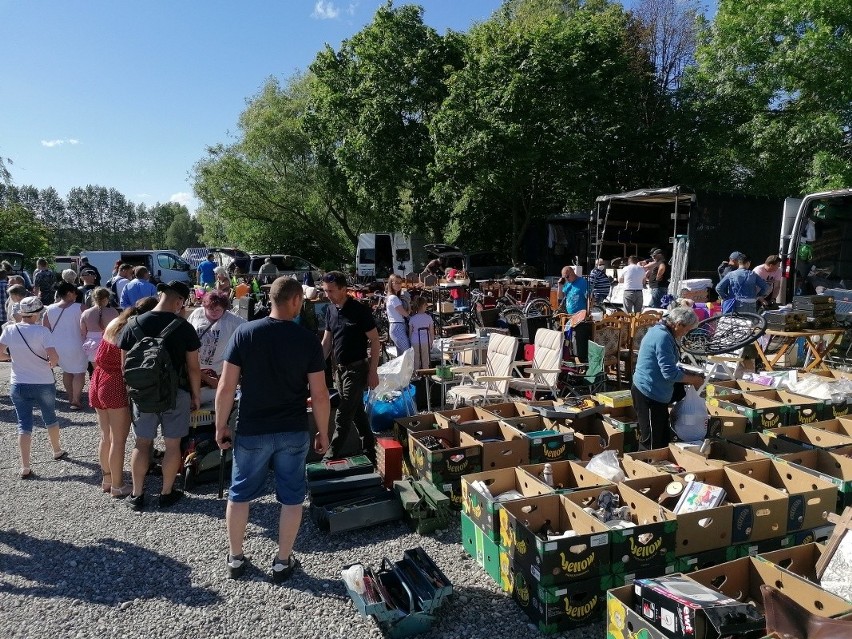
pixel 586 379
pixel 489 383
pixel 543 372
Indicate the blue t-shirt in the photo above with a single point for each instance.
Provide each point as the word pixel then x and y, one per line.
pixel 275 358
pixel 576 293
pixel 206 273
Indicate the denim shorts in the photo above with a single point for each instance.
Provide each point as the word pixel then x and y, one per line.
pixel 175 422
pixel 26 397
pixel 252 455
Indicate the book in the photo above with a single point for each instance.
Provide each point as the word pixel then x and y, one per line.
pixel 699 496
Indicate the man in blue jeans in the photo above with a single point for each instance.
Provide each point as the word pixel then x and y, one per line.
pixel 275 361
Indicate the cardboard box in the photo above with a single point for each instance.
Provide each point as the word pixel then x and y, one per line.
pixel 800 409
pixel 696 532
pixel 622 579
pixel 840 426
pixel 742 579
pixel 633 469
pixel 622 619
pixel 722 387
pixel 722 422
pixel 484 510
pixel 595 436
pixel 828 466
pixel 544 447
pixel 502 446
pixel 511 410
pixel 766 444
pixel 760 412
pixel 701 560
pixel 673 460
pixel 462 415
pixel 800 560
pixel 625 420
pixel 811 437
pixel 615 399
pixel 446 464
pixel 651 542
pixel 555 609
pixel 726 451
pixel 755 548
pixel 568 476
pixel 682 609
pixel 481 547
pixel 810 499
pixel 402 426
pixel 819 535
pixel 560 561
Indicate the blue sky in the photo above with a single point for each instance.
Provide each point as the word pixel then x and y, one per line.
pixel 128 94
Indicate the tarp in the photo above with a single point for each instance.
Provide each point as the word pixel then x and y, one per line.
pixel 653 196
pixel 195 256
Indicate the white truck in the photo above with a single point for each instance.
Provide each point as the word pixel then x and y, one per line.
pixel 164 265
pixel 382 254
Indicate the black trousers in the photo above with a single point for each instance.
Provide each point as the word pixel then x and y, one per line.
pixel 582 335
pixel 653 417
pixel 351 383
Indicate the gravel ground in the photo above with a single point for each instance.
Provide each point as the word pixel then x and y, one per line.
pixel 75 563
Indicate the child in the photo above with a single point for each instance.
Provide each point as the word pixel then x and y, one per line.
pixel 421 332
pixel 13 304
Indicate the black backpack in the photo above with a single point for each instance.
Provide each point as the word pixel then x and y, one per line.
pixel 150 377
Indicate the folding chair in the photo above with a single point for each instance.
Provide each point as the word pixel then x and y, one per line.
pixel 589 378
pixel 482 384
pixel 543 371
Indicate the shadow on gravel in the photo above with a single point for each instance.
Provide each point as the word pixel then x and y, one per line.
pixel 93 477
pixel 107 573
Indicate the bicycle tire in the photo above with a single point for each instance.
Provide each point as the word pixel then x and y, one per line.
pixel 723 333
pixel 512 315
pixel 538 306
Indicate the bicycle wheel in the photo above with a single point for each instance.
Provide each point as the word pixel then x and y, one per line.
pixel 538 306
pixel 723 333
pixel 512 315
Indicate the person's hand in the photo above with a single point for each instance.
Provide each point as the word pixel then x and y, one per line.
pixel 696 381
pixel 372 379
pixel 194 401
pixel 320 443
pixel 223 437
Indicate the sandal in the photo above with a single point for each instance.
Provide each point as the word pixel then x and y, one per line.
pixel 60 454
pixel 121 493
pixel 26 473
pixel 75 407
pixel 106 483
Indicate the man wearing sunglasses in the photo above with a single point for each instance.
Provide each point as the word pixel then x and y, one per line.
pixel 350 331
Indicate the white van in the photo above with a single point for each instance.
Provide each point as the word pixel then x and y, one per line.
pixel 382 254
pixel 164 265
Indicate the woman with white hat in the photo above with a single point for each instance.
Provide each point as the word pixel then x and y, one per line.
pixel 29 346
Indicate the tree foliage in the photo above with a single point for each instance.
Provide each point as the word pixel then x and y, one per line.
pixel 773 103
pixel 21 231
pixel 184 231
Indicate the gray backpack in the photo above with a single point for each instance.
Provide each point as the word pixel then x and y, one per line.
pixel 149 374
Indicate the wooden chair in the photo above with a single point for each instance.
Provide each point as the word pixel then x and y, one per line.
pixel 640 326
pixel 612 336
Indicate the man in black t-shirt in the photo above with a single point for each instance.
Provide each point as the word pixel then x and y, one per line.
pixel 275 361
pixel 182 346
pixel 349 330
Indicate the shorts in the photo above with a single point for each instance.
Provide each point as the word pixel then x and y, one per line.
pixel 26 397
pixel 175 422
pixel 252 454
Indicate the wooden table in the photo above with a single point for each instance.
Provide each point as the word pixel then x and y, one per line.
pixel 812 340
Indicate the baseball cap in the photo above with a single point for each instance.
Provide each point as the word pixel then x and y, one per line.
pixel 31 305
pixel 735 255
pixel 178 287
pixel 655 251
pixel 86 271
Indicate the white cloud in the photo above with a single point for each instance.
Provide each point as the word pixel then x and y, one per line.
pixel 325 10
pixel 351 9
pixel 52 143
pixel 181 198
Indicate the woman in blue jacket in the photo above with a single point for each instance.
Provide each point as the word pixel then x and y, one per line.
pixel 656 375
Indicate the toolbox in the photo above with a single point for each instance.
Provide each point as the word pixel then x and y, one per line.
pixel 426 508
pixel 358 512
pixel 403 596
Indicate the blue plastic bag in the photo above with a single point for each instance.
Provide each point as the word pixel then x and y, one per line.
pixel 381 413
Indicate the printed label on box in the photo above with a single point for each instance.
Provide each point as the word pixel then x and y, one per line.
pixel 599 540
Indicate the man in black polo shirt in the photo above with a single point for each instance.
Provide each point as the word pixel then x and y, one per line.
pixel 350 329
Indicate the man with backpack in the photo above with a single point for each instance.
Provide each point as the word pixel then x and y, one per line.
pixel 278 365
pixel 163 378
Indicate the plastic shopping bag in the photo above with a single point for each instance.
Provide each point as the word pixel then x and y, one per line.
pixel 689 417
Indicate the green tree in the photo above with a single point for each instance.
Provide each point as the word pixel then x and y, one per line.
pixel 542 117
pixel 770 99
pixel 21 231
pixel 184 231
pixel 372 103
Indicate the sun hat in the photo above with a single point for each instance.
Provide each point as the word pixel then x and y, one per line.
pixel 31 305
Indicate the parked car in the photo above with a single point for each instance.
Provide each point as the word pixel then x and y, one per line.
pixel 290 265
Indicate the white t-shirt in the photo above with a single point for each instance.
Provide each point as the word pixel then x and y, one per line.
pixel 120 283
pixel 634 277
pixel 391 302
pixel 213 342
pixel 27 367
